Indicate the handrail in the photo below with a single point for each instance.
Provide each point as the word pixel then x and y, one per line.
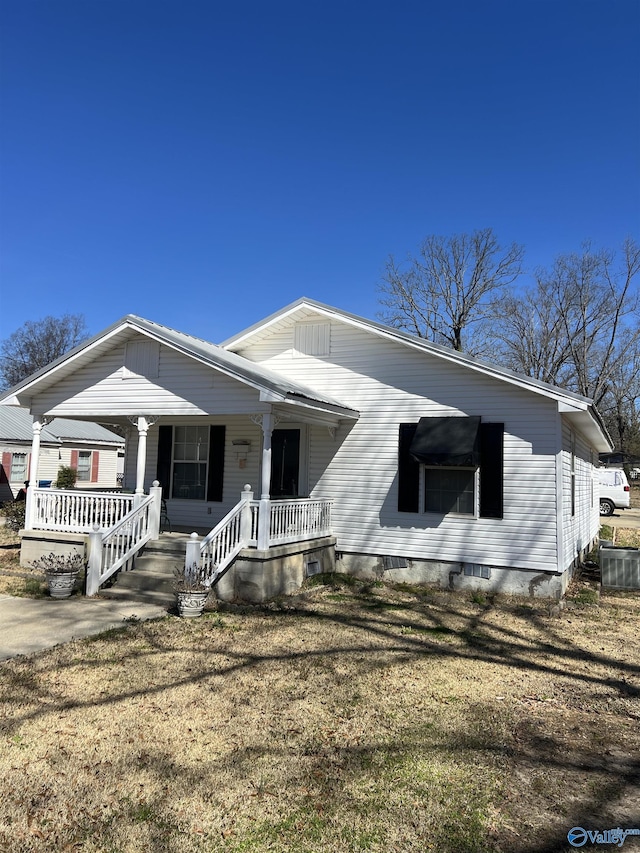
pixel 111 549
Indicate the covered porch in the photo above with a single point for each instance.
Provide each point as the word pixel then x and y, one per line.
pixel 200 424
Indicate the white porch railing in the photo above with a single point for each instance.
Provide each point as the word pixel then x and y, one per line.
pixel 75 511
pixel 286 521
pixel 293 520
pixel 112 549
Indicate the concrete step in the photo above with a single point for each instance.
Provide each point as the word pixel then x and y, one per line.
pixel 153 576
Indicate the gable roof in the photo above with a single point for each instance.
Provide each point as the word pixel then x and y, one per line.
pixel 16 425
pixel 272 386
pixel 578 409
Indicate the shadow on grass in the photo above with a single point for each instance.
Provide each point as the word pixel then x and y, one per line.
pixel 384 631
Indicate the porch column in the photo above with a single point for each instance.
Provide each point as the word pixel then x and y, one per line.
pixel 143 429
pixel 33 472
pixel 264 517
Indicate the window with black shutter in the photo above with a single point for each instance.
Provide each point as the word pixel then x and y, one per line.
pixel 443 462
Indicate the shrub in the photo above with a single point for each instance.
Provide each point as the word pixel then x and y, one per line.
pixel 66 478
pixel 14 513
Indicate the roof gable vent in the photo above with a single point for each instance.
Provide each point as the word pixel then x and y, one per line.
pixel 312 339
pixel 141 358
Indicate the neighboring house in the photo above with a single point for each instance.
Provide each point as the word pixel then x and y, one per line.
pixel 440 467
pixel 88 447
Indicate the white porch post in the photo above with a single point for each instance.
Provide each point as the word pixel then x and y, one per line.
pixel 264 517
pixel 143 429
pixel 33 472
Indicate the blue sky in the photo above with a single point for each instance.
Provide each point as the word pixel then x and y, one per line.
pixel 203 164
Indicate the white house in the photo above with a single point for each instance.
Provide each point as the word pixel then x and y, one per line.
pixel 436 467
pixel 95 452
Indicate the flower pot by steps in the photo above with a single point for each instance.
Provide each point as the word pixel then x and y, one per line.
pixel 191 602
pixel 61 584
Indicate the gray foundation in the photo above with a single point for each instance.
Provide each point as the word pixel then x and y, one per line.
pixel 457 576
pixel 258 576
pixel 39 543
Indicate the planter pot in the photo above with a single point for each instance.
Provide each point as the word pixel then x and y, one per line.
pixel 61 584
pixel 191 603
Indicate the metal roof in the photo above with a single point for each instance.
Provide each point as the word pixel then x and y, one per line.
pixel 16 425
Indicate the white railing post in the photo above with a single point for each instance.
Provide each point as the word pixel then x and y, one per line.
pixel 245 519
pixel 192 556
pixel 94 566
pixel 264 524
pixel 154 510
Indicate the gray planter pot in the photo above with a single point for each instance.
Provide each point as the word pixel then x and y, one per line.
pixel 191 603
pixel 61 584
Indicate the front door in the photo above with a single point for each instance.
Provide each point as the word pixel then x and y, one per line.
pixel 285 463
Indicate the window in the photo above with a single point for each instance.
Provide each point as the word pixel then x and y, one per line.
pixel 451 465
pixel 18 468
pixel 449 490
pixel 84 466
pixel 191 461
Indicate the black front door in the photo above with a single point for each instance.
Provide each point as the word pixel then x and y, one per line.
pixel 285 463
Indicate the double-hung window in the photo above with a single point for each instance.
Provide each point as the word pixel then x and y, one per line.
pixel 84 466
pixel 190 461
pixel 18 467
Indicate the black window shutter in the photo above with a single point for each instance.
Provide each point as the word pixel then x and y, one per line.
pixel 165 448
pixel 491 470
pixel 216 463
pixel 408 472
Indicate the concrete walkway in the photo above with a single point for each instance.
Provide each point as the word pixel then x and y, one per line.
pixel 31 625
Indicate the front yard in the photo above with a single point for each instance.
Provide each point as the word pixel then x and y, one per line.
pixel 352 717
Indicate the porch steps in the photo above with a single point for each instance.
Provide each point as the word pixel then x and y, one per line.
pixel 152 578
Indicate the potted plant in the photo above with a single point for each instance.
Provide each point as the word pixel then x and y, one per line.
pixel 192 590
pixel 61 572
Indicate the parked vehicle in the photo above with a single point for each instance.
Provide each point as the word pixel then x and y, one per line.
pixel 614 490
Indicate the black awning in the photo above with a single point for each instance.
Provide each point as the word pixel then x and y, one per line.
pixel 447 441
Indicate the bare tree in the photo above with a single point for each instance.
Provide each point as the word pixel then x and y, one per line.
pixel 578 327
pixel 445 292
pixel 38 343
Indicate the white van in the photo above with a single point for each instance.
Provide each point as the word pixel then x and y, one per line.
pixel 614 490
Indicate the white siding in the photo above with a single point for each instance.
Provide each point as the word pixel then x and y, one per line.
pixel 51 458
pixel 581 526
pixel 183 387
pixel 389 384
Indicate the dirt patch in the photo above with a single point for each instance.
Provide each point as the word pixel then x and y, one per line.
pixel 350 717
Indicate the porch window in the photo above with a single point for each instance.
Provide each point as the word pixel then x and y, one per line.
pixel 18 468
pixel 190 460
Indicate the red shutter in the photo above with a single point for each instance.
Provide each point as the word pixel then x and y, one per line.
pixel 5 471
pixel 95 464
pixel 74 459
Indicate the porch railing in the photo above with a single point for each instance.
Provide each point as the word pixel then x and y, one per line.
pixel 293 520
pixel 76 511
pixel 246 525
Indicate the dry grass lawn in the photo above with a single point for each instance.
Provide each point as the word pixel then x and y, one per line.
pixel 348 718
